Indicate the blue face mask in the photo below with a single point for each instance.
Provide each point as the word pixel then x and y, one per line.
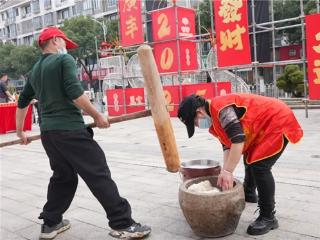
pixel 205 123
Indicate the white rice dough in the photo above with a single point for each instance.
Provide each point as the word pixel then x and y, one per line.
pixel 203 187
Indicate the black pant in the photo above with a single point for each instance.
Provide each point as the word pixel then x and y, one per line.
pixel 75 152
pixel 258 176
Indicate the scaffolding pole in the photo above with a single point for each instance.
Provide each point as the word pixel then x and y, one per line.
pixel 303 38
pixel 255 47
pixel 274 72
pixel 215 68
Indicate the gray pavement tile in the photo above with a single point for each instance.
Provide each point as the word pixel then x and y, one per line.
pixel 7 235
pixel 13 222
pixel 14 207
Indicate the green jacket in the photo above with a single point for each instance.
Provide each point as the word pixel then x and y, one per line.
pixel 53 82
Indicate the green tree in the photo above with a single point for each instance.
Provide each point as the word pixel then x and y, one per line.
pixel 113 32
pixel 204 17
pixel 17 60
pixel 23 58
pixel 284 9
pixel 5 64
pixel 291 81
pixel 83 30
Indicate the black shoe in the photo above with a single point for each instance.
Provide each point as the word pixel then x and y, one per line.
pixel 51 232
pixel 251 197
pixel 262 225
pixel 135 231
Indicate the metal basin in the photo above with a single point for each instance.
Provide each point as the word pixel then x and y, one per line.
pixel 199 168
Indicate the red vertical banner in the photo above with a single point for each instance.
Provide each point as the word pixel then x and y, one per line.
pixel 231 23
pixel 134 99
pixel 115 102
pixel 130 22
pixel 186 22
pixel 188 56
pixel 313 55
pixel 223 88
pixel 166 56
pixel 163 24
pixel 171 94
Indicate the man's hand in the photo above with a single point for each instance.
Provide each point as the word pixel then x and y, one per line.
pixel 24 139
pixel 101 121
pixel 225 180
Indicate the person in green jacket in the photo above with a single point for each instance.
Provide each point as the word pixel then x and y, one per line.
pixel 68 142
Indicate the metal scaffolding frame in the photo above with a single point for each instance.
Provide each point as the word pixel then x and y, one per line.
pixel 256 28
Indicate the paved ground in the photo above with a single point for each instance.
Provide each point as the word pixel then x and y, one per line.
pixel 136 163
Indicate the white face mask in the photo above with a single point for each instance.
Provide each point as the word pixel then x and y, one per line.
pixel 62 50
pixel 205 123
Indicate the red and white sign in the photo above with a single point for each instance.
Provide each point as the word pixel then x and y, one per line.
pixel 130 22
pixel 164 23
pixel 313 55
pixel 167 60
pixel 115 102
pixel 134 99
pixel 171 94
pixel 231 23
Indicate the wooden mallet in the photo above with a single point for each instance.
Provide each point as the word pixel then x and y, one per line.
pixel 159 111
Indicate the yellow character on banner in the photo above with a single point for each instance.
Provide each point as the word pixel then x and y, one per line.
pixel 201 92
pixel 317 71
pixel 168 97
pixel 116 102
pixel 129 4
pixel 164 29
pixel 317 48
pixel 131 26
pixel 230 39
pixel 228 10
pixel 166 59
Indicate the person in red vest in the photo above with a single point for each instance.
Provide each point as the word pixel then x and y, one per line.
pixel 257 127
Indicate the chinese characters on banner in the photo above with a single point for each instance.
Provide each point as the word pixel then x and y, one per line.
pixel 313 55
pixel 130 22
pixel 164 28
pixel 231 23
pixel 135 97
pixel 115 102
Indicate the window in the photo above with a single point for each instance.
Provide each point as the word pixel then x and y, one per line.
pixel 17 12
pixel 26 27
pixel 96 4
pixel 37 23
pixel 13 30
pixel 35 6
pixel 78 8
pixel 47 4
pixel 26 11
pixel 87 5
pixel 112 3
pixel 63 14
pixel 292 52
pixel 48 19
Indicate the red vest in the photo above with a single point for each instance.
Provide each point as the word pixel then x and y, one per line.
pixel 265 123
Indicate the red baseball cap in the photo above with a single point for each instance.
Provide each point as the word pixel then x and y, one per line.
pixel 51 32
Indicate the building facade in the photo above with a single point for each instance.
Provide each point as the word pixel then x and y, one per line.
pixel 22 20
